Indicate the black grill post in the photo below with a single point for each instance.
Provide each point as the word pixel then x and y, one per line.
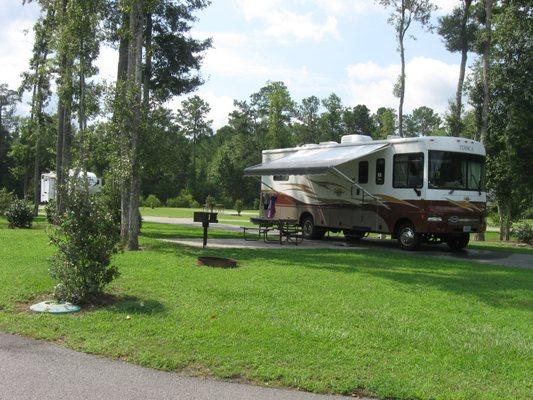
pixel 205 218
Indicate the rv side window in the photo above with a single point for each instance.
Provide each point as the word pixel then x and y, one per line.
pixel 363 171
pixel 282 178
pixel 408 171
pixel 380 171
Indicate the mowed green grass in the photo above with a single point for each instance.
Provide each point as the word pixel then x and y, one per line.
pixel 389 325
pixel 227 216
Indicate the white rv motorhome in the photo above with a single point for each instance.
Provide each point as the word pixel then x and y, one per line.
pixel 424 189
pixel 48 184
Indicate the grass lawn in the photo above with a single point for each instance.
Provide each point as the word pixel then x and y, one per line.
pixel 391 325
pixel 228 216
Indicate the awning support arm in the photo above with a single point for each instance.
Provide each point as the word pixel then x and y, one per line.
pixel 343 175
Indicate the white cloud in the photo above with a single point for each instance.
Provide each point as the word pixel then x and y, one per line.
pixel 285 24
pixel 239 57
pixel 445 6
pixel 15 50
pixel 342 8
pixel 107 64
pixel 430 82
pixel 221 107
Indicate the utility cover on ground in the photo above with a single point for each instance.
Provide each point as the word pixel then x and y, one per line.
pixel 54 307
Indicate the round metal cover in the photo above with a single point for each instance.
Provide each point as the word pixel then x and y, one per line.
pixel 54 307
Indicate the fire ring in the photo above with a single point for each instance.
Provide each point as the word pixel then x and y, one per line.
pixel 217 262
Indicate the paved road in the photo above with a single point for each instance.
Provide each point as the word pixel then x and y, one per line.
pixel 33 370
pixel 506 259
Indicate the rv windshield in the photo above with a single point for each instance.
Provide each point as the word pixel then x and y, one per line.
pixel 456 171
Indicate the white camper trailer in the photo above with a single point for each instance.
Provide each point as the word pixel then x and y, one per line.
pixel 424 189
pixel 48 184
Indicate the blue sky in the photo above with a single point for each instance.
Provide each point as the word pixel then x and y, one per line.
pixel 315 46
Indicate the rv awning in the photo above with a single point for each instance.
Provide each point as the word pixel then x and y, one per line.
pixel 313 161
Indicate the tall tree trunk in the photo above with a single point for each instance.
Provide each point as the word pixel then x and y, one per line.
pixel 40 127
pixel 501 218
pixel 402 73
pixel 135 80
pixel 464 59
pixel 63 112
pixel 486 89
pixel 122 75
pixel 486 71
pixel 148 62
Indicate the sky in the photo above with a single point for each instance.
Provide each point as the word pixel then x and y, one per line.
pixel 315 46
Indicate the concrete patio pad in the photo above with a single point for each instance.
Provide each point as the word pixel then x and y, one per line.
pixel 500 258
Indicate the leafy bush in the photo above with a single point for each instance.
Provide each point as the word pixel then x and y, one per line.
pixel 86 239
pixel 6 198
pixel 183 200
pixel 524 232
pixel 255 205
pixel 20 214
pixel 210 202
pixel 152 201
pixel 194 204
pixel 238 206
pixel 51 212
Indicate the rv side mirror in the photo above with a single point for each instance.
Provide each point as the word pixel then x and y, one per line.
pixel 417 190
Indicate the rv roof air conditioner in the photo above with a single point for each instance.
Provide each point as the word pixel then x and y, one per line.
pixel 356 139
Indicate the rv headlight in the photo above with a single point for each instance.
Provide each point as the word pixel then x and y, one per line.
pixel 434 219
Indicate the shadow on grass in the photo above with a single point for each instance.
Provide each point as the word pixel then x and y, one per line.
pixel 493 285
pixel 124 304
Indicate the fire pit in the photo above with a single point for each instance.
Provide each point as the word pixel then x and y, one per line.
pixel 217 262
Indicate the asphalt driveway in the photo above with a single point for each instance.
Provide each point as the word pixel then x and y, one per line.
pixel 34 370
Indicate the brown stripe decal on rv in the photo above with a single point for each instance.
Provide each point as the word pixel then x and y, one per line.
pixel 464 204
pixel 394 200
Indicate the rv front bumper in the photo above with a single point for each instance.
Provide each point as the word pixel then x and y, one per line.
pixel 454 224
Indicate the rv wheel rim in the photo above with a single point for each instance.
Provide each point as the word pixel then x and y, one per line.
pixel 308 227
pixel 407 236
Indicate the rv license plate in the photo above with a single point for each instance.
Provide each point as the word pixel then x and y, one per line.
pixel 467 228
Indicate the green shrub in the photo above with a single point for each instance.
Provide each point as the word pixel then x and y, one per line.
pixel 51 212
pixel 152 201
pixel 210 203
pixel 20 214
pixel 86 239
pixel 183 200
pixel 6 198
pixel 238 206
pixel 194 204
pixel 523 232
pixel 255 205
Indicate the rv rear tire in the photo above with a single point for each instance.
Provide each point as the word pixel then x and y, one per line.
pixel 458 242
pixel 408 238
pixel 309 230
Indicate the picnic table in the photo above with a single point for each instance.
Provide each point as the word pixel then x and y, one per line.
pixel 288 230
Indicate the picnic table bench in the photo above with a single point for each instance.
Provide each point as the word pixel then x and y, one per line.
pixel 287 230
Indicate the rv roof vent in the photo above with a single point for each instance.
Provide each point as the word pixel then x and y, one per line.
pixel 309 146
pixel 328 143
pixel 393 137
pixel 356 139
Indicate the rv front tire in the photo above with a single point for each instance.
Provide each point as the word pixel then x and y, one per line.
pixel 408 238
